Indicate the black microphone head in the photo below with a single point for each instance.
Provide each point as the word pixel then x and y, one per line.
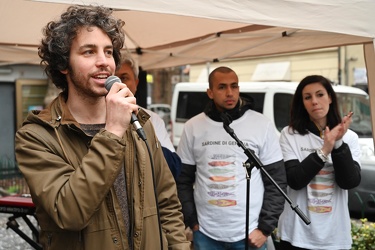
pixel 226 118
pixel 110 81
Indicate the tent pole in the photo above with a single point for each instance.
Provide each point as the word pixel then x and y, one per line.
pixel 369 51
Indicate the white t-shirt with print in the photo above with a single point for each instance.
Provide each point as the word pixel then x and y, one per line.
pixel 220 184
pixel 324 203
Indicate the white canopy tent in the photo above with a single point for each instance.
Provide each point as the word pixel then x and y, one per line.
pixel 171 33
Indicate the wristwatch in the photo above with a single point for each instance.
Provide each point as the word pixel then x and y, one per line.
pixel 321 155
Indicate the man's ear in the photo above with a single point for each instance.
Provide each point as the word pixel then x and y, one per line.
pixel 65 71
pixel 210 94
pixel 136 82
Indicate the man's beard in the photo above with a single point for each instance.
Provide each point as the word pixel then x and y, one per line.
pixel 81 84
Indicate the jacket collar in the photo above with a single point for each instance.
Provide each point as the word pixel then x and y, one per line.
pixel 243 104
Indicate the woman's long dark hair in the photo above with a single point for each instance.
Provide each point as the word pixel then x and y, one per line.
pixel 299 118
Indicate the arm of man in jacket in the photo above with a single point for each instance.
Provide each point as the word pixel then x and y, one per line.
pixel 171 217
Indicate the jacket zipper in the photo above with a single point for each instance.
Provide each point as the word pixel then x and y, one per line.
pixel 131 194
pixel 49 240
pixel 116 221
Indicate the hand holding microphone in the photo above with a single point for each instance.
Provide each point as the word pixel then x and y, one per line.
pixel 133 119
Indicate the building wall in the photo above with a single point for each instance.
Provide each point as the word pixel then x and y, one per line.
pixel 327 62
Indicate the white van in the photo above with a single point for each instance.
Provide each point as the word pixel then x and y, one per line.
pixel 273 99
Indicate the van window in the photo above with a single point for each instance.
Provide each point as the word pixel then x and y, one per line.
pixel 360 105
pixel 193 103
pixel 190 104
pixel 281 106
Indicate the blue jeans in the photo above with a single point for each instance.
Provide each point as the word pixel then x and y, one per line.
pixel 203 242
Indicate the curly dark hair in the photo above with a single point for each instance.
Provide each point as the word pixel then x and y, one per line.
pixel 299 118
pixel 55 46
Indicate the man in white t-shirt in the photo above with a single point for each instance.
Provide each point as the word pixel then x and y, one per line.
pixel 128 74
pixel 212 185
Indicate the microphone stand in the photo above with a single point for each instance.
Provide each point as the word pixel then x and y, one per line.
pixel 253 161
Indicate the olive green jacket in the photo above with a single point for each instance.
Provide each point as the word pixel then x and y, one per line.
pixel 71 176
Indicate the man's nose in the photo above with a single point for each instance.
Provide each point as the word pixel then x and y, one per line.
pixel 102 60
pixel 229 92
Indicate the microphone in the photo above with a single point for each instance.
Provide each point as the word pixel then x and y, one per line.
pixel 227 119
pixel 133 120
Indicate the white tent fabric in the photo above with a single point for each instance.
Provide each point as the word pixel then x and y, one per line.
pixel 353 17
pixel 171 33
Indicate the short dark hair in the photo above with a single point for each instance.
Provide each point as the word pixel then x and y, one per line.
pixel 58 36
pixel 299 118
pixel 221 69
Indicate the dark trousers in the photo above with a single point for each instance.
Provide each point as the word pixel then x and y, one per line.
pixel 203 242
pixel 285 245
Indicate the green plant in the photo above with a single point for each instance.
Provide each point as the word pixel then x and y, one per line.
pixel 363 235
pixel 14 189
